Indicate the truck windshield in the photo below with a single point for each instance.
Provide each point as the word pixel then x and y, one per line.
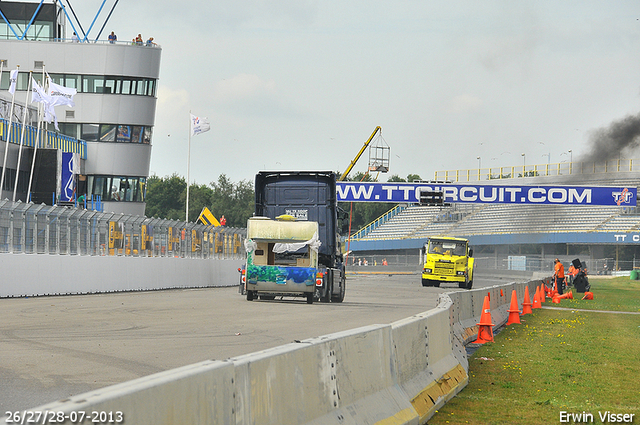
pixel 446 247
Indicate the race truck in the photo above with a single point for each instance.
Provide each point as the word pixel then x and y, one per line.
pixel 306 196
pixel 448 259
pixel 282 258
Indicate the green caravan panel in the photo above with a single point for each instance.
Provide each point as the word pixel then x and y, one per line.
pixel 292 277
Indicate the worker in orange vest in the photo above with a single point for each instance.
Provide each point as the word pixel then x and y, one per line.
pixel 572 273
pixel 559 275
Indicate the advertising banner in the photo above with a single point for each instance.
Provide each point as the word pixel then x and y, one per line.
pixel 69 170
pixel 488 194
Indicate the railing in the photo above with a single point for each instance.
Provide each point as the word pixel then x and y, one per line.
pixel 49 139
pixel 378 222
pixel 43 229
pixel 557 169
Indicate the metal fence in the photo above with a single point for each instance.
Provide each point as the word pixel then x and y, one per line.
pixel 43 229
pixel 413 261
pixel 538 170
pixel 595 266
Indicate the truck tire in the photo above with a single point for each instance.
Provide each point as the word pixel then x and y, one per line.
pixel 325 292
pixel 470 284
pixel 249 295
pixel 429 282
pixel 310 298
pixel 343 288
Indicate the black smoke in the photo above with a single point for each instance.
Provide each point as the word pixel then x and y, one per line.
pixel 613 142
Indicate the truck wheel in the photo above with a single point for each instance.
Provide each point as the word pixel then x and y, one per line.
pixel 249 295
pixel 462 285
pixel 343 288
pixel 429 282
pixel 325 292
pixel 470 284
pixel 310 298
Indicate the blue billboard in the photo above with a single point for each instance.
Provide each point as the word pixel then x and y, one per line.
pixel 70 164
pixel 488 194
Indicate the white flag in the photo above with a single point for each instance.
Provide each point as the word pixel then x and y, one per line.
pixel 199 125
pixel 13 79
pixel 50 115
pixel 38 94
pixel 60 95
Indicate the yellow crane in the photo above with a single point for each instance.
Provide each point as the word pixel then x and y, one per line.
pixel 366 144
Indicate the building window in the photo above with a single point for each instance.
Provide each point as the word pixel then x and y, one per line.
pixel 102 84
pixel 107 133
pixel 136 134
pixel 72 81
pixel 117 188
pixel 90 132
pixel 124 134
pixel 121 133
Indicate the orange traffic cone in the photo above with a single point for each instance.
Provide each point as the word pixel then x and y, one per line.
pixel 567 296
pixel 548 291
pixel 514 313
pixel 485 331
pixel 556 299
pixel 542 294
pixel 526 303
pixel 536 299
pixel 588 296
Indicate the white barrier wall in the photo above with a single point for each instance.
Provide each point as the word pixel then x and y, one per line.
pixel 42 274
pixel 378 374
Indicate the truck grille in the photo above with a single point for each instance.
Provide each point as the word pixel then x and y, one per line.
pixel 444 268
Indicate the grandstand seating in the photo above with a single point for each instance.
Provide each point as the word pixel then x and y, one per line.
pixel 421 222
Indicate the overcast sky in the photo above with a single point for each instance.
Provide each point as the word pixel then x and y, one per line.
pixel 302 84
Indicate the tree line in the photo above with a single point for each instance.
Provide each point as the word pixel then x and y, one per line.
pixel 166 198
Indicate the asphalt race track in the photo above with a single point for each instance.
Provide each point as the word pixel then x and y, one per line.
pixel 55 347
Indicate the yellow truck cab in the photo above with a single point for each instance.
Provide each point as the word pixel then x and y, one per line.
pixel 282 257
pixel 448 259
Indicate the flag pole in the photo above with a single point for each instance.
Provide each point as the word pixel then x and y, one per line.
pixel 188 169
pixel 6 145
pixel 24 128
pixel 36 144
pixel 1 70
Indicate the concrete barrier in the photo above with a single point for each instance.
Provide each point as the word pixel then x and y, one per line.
pixel 201 393
pixel 378 374
pixel 42 274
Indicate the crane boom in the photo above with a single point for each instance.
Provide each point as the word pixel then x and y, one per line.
pixel 366 144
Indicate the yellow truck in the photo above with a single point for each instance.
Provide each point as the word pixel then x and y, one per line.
pixel 448 259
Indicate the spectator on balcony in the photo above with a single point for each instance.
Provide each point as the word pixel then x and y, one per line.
pixel 113 37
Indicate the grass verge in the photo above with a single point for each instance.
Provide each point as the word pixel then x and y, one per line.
pixel 558 361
